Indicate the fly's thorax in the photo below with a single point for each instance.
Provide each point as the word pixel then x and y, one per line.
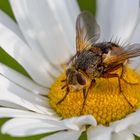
pixel 89 61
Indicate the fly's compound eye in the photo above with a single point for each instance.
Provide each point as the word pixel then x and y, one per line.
pixel 80 79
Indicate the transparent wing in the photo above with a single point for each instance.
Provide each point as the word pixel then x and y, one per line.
pixel 87 30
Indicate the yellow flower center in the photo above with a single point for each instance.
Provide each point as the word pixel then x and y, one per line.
pixel 104 100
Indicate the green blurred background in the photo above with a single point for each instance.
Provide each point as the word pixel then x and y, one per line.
pixel 89 5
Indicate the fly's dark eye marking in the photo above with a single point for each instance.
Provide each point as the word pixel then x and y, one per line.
pixel 80 79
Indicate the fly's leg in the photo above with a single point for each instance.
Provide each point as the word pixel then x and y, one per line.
pixel 108 75
pixel 64 80
pixel 123 67
pixel 85 94
pixel 67 92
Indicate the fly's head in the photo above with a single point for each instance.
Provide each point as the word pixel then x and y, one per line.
pixel 75 79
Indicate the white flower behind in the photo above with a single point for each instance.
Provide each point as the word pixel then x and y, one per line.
pixel 43 39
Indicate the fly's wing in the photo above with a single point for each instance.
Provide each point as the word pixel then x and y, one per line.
pixel 87 30
pixel 130 51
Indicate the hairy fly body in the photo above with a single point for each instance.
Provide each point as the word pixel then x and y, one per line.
pixel 95 59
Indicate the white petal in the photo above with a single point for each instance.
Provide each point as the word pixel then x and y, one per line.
pixel 10 113
pixel 99 133
pixel 12 93
pixel 11 105
pixel 123 124
pixel 136 33
pixel 68 135
pixel 9 23
pixel 124 135
pixel 35 65
pixel 73 10
pixel 118 19
pixel 136 66
pixel 135 129
pixel 21 80
pixel 47 26
pixel 136 39
pixel 26 127
pixel 76 123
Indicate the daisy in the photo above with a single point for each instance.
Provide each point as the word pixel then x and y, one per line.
pixel 44 38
